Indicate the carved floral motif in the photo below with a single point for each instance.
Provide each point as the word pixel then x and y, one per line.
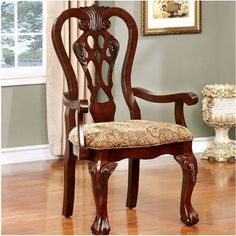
pixel 113 46
pixel 105 171
pixel 219 91
pixel 189 164
pixel 220 152
pixel 80 52
pixel 95 20
pixel 105 48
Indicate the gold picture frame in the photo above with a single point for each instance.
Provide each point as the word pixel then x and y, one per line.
pixel 164 17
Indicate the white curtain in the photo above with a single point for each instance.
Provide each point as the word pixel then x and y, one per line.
pixel 56 83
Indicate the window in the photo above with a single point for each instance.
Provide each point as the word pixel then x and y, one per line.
pixel 23 46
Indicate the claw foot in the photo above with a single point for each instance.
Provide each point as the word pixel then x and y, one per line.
pixel 100 226
pixel 190 217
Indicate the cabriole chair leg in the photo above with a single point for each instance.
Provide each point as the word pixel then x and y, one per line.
pixel 189 167
pixel 100 175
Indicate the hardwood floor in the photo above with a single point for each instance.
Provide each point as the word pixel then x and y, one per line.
pixel 32 198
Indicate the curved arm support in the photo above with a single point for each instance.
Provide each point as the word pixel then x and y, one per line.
pixel 179 99
pixel 188 98
pixel 81 106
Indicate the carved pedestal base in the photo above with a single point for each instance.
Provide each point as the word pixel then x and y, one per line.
pixel 220 152
pixel 218 107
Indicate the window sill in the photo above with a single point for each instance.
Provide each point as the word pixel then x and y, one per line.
pixel 22 81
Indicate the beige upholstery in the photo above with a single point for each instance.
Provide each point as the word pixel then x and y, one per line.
pixel 130 134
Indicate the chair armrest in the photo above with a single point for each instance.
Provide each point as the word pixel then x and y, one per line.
pixel 81 106
pixel 188 98
pixel 178 98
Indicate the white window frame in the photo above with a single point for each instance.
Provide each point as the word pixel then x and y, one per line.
pixel 27 75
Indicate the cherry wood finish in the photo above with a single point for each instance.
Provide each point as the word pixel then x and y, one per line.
pixel 100 173
pixel 94 21
pixel 38 213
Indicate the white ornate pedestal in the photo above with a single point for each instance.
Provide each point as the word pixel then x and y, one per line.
pixel 219 112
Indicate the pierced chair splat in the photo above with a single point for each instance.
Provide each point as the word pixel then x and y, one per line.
pixel 105 142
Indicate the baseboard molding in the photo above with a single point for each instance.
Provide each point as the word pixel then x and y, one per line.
pixel 26 154
pixel 200 144
pixel 41 152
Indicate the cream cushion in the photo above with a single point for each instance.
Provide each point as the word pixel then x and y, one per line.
pixel 130 134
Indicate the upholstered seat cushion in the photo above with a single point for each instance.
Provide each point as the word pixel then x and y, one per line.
pixel 130 134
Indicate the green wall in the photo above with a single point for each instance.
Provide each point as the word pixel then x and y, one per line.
pixel 23 116
pixel 176 63
pixel 164 64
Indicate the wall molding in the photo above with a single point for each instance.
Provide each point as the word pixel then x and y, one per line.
pixel 41 152
pixel 200 144
pixel 26 154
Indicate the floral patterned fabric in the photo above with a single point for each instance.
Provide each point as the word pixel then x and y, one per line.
pixel 130 134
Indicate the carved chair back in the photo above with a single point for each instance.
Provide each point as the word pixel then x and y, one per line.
pixel 103 48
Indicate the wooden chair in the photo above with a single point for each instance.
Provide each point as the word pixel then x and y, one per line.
pixel 106 141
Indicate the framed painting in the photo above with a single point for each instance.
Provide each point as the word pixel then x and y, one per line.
pixel 163 17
